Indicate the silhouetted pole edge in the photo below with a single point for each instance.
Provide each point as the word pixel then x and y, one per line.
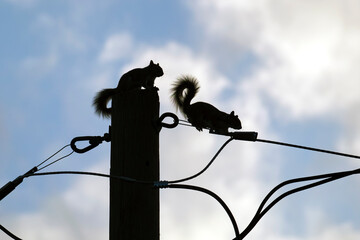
pixel 134 208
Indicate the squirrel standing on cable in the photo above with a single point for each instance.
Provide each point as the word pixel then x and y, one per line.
pixel 200 114
pixel 134 79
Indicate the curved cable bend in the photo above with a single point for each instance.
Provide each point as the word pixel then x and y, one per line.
pixel 206 167
pixel 10 234
pixel 223 204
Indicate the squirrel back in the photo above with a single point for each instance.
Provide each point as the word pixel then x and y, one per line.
pixel 133 79
pixel 140 77
pixel 200 114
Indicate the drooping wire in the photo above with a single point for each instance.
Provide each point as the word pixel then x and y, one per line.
pixel 206 167
pixel 10 234
pixel 212 194
pixel 158 184
pixel 127 179
pixel 326 179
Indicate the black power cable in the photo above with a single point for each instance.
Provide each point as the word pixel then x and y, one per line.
pixel 10 234
pixel 206 167
pixel 161 184
pixel 11 185
pixel 326 179
pixel 223 204
pixel 308 148
pixel 247 136
pixel 126 179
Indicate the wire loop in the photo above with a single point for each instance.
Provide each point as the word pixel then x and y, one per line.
pixel 160 123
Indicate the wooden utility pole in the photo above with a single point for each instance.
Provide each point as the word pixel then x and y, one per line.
pixel 134 208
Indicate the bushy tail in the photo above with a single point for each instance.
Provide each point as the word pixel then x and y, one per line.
pixel 101 100
pixel 183 91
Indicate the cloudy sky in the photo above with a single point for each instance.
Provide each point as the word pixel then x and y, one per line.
pixel 289 69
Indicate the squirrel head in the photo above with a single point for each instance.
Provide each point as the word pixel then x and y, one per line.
pixel 234 121
pixel 156 69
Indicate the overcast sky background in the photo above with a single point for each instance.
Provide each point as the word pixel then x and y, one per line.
pixel 289 69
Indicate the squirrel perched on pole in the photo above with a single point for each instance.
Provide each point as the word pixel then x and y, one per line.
pixel 200 114
pixel 133 79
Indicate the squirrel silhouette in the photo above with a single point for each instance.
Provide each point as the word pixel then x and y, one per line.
pixel 133 79
pixel 200 114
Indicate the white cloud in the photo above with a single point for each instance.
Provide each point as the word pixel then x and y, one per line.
pixel 344 231
pixel 350 142
pixel 39 66
pixel 89 195
pixel 307 54
pixel 175 59
pixel 116 47
pixel 307 49
pixel 237 24
pixel 313 72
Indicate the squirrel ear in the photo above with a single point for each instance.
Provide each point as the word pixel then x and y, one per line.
pixel 232 113
pixel 151 62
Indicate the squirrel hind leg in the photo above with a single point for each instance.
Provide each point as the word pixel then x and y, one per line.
pixel 198 126
pixel 195 123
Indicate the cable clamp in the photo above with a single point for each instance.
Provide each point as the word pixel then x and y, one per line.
pixel 10 186
pixel 239 135
pixel 161 184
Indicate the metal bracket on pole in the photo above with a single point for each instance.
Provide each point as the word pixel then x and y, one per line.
pixel 94 141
